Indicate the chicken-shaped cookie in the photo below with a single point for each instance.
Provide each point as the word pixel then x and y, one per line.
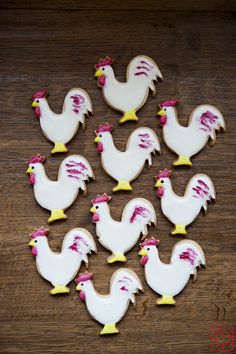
pixel 128 97
pixel 60 128
pixel 182 211
pixel 57 196
pixel 121 236
pixel 188 141
pixel 109 309
pixel 168 280
pixel 60 268
pixel 125 166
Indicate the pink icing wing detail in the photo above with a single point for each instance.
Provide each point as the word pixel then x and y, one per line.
pixel 207 121
pixel 141 211
pixel 140 73
pixel 125 280
pixel 77 243
pixel 145 141
pixel 189 256
pixel 78 102
pixel 78 169
pixel 145 62
pixel 201 190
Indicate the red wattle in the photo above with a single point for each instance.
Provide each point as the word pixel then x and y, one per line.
pixel 37 112
pixel 32 179
pixel 95 217
pixel 34 251
pixel 100 148
pixel 160 192
pixel 82 295
pixel 163 120
pixel 101 80
pixel 143 260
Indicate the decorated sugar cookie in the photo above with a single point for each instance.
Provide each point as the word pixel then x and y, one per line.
pixel 109 309
pixel 57 196
pixel 188 141
pixel 125 166
pixel 60 268
pixel 121 236
pixel 182 211
pixel 128 97
pixel 168 280
pixel 60 128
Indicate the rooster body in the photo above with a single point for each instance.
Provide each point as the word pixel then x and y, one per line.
pixel 60 268
pixel 125 166
pixel 60 128
pixel 120 236
pixel 188 141
pixel 170 279
pixel 109 309
pixel 129 96
pixel 181 211
pixel 57 196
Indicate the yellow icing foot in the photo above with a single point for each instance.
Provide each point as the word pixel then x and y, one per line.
pixel 122 186
pixel 59 289
pixel 117 257
pixel 131 115
pixel 109 328
pixel 166 300
pixel 59 147
pixel 179 229
pixel 183 160
pixel 56 215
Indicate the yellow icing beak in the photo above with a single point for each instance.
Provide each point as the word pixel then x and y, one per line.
pixel 158 183
pixel 34 104
pixel 98 73
pixel 161 113
pixel 93 210
pixel 143 252
pixel 96 140
pixel 78 287
pixel 29 170
pixel 31 243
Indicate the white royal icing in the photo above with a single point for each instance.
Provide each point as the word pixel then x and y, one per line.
pixel 121 236
pixel 170 279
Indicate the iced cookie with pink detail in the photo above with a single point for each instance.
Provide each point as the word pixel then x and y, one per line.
pixel 57 196
pixel 203 123
pixel 120 236
pixel 125 166
pixel 183 210
pixel 60 268
pixel 61 128
pixel 109 309
pixel 168 280
pixel 128 97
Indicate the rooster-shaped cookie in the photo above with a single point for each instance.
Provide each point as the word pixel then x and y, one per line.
pixel 60 128
pixel 188 141
pixel 57 196
pixel 168 280
pixel 128 97
pixel 60 268
pixel 181 211
pixel 125 166
pixel 109 309
pixel 121 236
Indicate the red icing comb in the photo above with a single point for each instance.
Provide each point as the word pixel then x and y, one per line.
pixel 169 103
pixel 36 159
pixel 163 174
pixel 103 62
pixel 39 94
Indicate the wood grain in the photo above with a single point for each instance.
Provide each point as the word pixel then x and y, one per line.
pixel 55 46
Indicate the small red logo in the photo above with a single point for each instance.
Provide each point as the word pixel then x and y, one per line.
pixel 222 338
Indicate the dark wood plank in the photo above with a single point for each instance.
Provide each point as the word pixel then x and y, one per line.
pixel 57 50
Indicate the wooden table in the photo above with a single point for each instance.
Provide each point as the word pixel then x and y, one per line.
pixel 55 45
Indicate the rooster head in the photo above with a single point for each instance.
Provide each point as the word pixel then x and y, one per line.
pixel 147 248
pixel 161 178
pixel 99 203
pixel 34 164
pixel 101 134
pixel 165 106
pixel 36 238
pixel 83 283
pixel 37 97
pixel 103 68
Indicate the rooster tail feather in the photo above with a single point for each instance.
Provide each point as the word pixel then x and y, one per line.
pixel 202 189
pixel 78 103
pixel 80 242
pixel 126 280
